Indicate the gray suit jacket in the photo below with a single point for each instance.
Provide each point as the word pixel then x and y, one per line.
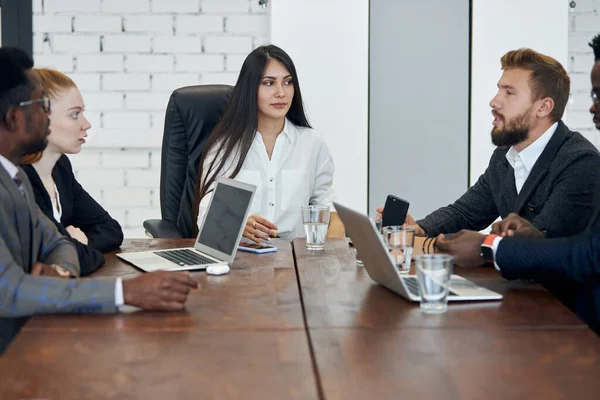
pixel 559 195
pixel 26 237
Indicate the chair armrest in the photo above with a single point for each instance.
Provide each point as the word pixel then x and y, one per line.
pixel 158 228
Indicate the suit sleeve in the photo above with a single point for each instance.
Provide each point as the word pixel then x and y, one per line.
pixel 474 210
pixel 22 294
pixel 574 197
pixel 89 258
pixel 103 232
pixel 54 248
pixel 576 258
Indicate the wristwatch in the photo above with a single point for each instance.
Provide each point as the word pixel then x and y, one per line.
pixel 62 271
pixel 487 251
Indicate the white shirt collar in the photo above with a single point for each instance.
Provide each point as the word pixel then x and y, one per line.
pixel 531 153
pixel 289 130
pixel 9 167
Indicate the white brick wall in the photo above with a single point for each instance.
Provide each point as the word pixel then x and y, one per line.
pixel 175 6
pixel 199 24
pixel 200 62
pixel 71 6
pixel 96 23
pixel 149 63
pixel 52 23
pixel 76 43
pixel 177 44
pixel 100 63
pixel 228 44
pixel 119 82
pixel 126 43
pixel 222 7
pixel 127 56
pixel 584 25
pixel 125 6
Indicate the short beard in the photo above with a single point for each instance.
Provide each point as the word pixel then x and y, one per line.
pixel 37 145
pixel 515 132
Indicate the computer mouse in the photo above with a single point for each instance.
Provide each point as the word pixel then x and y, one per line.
pixel 217 269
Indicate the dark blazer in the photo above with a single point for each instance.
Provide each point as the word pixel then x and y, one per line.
pixel 28 236
pixel 80 210
pixel 558 197
pixel 569 267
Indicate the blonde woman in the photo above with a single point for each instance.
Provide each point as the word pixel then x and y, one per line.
pixel 58 194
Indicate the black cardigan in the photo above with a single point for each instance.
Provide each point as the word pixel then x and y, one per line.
pixel 80 210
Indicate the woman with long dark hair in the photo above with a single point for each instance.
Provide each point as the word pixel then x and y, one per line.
pixel 264 138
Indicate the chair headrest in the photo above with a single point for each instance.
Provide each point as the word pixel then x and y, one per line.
pixel 191 115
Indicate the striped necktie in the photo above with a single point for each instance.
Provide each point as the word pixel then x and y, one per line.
pixel 19 183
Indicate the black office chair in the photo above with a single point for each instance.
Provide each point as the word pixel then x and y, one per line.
pixel 191 115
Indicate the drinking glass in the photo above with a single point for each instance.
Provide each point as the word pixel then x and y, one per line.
pixel 400 241
pixel 316 222
pixel 433 273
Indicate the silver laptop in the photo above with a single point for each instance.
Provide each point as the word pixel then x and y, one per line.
pixel 220 232
pixel 382 270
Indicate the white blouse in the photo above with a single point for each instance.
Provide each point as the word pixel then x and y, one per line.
pixel 300 172
pixel 56 208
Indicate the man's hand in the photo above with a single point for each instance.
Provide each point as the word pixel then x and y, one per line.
pixel 258 228
pixel 513 225
pixel 50 270
pixel 409 220
pixel 465 247
pixel 158 291
pixel 77 234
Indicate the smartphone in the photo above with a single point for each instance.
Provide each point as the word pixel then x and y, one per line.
pixel 395 210
pixel 257 247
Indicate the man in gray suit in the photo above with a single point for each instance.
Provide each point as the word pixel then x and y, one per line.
pixel 541 170
pixel 36 262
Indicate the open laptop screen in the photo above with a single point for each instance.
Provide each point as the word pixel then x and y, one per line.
pixel 224 218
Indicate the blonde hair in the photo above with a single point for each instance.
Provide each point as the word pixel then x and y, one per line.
pixel 54 81
pixel 548 77
pixel 31 158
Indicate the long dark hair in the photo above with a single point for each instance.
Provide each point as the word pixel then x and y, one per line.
pixel 235 130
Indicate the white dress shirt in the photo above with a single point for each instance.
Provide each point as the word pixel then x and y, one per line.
pixel 56 208
pixel 300 172
pixel 12 172
pixel 9 167
pixel 523 162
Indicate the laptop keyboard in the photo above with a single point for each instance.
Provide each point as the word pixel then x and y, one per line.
pixel 184 257
pixel 413 286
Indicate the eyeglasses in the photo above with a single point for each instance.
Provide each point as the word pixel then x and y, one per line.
pixel 45 101
pixel 595 98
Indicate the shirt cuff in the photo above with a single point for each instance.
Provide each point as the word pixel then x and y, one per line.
pixel 119 301
pixel 495 245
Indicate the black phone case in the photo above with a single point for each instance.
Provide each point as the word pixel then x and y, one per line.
pixel 395 210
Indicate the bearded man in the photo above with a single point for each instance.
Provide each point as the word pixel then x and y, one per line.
pixel 541 170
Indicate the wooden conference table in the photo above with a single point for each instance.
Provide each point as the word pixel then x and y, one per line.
pixel 300 324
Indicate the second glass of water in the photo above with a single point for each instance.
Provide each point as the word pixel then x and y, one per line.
pixel 316 222
pixel 400 241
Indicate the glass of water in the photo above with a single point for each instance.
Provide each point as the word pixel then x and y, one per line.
pixel 400 241
pixel 316 222
pixel 433 273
